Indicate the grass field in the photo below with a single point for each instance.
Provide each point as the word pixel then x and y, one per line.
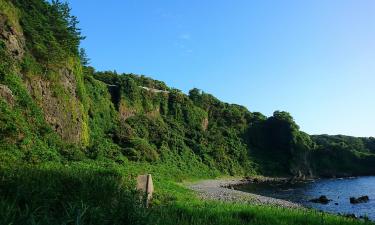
pixel 103 193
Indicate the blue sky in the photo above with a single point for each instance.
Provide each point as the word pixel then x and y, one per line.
pixel 314 59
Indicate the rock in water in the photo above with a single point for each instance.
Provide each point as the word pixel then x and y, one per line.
pixel 362 199
pixel 322 200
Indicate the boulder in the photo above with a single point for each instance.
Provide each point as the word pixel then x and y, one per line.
pixel 351 215
pixel 322 200
pixel 362 199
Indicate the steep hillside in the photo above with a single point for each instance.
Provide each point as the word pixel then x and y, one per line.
pixel 343 155
pixel 55 109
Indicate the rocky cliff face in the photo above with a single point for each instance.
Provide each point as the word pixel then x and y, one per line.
pixel 12 36
pixel 56 94
pixel 60 104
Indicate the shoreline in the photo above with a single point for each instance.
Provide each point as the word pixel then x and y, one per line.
pixel 222 190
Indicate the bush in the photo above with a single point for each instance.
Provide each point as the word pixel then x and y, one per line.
pixel 141 150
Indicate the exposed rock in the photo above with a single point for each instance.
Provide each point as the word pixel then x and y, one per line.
pixel 352 216
pixel 260 179
pixel 322 200
pixel 125 112
pixel 205 124
pixel 362 199
pixel 13 39
pixel 6 94
pixel 154 90
pixel 61 106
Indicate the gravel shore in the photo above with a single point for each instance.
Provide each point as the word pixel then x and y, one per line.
pixel 222 190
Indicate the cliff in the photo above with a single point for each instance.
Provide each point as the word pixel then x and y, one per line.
pixel 53 108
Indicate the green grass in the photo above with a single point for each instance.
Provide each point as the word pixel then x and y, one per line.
pixel 93 192
pixel 68 195
pixel 226 213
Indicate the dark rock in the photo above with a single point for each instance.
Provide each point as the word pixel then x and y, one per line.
pixel 322 200
pixel 362 199
pixel 365 218
pixel 336 203
pixel 352 216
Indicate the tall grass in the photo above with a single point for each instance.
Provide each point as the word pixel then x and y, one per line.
pixel 100 193
pixel 67 195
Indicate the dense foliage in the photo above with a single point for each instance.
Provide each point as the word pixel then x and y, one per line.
pixel 159 122
pixel 343 155
pixel 131 117
pixel 51 31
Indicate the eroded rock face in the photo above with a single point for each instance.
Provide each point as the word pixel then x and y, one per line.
pixel 6 94
pixel 154 113
pixel 205 124
pixel 61 106
pixel 58 98
pixel 13 39
pixel 125 112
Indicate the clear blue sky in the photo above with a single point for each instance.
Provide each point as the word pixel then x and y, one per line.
pixel 314 59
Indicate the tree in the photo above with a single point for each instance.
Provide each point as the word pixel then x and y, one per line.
pixel 194 95
pixel 83 57
pixel 66 26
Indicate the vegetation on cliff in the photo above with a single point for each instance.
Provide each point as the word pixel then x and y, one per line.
pixel 67 131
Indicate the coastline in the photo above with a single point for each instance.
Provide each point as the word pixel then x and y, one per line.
pixel 222 190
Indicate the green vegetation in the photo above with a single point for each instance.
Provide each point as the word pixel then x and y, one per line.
pixel 344 156
pixel 72 140
pixel 223 213
pixel 93 192
pixel 51 31
pixel 71 195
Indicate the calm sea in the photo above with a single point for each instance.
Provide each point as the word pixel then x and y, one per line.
pixel 339 190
